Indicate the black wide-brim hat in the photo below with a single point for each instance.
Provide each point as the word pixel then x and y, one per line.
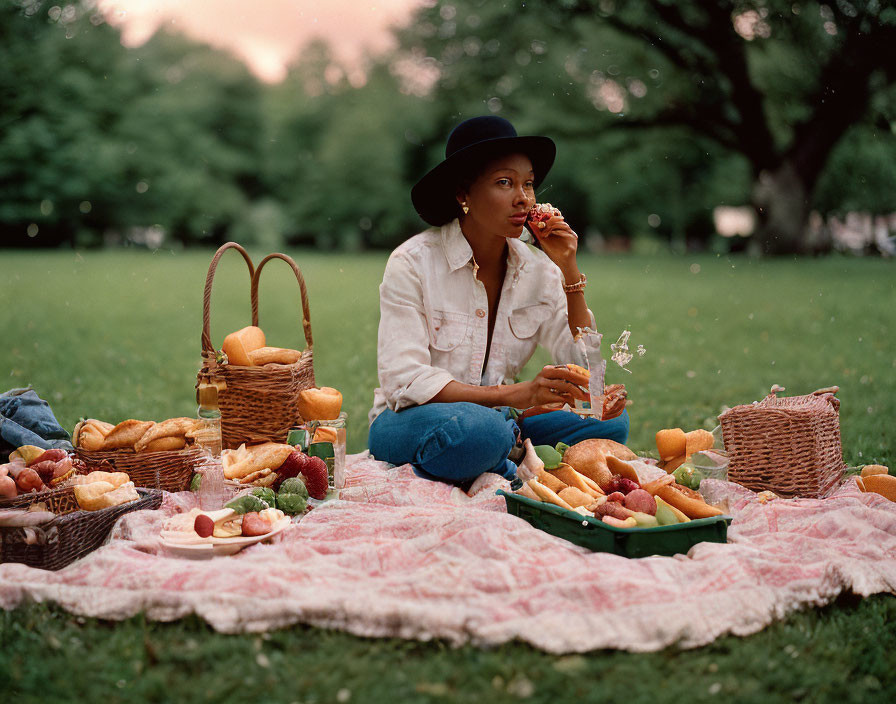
pixel 470 145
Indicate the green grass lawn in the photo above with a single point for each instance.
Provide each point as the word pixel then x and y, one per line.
pixel 116 334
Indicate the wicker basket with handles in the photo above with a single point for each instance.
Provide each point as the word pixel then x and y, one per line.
pixel 171 470
pixel 257 403
pixel 71 534
pixel 790 446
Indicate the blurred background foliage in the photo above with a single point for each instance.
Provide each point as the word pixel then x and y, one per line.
pixel 663 110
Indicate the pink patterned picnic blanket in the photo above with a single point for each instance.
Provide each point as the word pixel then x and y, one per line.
pixel 401 556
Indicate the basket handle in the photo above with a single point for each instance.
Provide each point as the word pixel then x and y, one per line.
pixel 306 315
pixel 207 347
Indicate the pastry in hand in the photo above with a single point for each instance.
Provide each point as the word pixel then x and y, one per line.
pixel 539 214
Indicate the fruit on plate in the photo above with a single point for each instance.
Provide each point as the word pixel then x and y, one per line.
pixel 8 488
pixel 322 403
pixel 549 456
pixel 664 515
pixel 640 501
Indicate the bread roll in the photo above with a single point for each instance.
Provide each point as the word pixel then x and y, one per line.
pixel 237 345
pixel 165 444
pixel 88 437
pixel 882 484
pixel 126 434
pixel 116 479
pixel 89 496
pixel 274 355
pixel 671 442
pixel 240 463
pixel 586 458
pixel 697 441
pixel 178 427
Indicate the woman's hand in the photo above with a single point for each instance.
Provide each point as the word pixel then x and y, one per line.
pixel 559 242
pixel 551 385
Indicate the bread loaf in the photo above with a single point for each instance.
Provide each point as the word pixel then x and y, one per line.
pixel 126 434
pixel 176 427
pixel 237 345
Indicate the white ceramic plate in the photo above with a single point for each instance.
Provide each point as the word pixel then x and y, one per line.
pixel 213 547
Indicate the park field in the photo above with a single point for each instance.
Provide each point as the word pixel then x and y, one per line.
pixel 116 334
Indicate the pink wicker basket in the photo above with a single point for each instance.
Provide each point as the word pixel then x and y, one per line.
pixel 790 446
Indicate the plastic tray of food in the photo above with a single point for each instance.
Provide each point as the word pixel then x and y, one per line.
pixel 598 536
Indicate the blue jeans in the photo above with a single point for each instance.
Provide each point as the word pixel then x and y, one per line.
pixel 456 442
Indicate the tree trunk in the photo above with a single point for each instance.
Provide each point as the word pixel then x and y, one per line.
pixel 781 199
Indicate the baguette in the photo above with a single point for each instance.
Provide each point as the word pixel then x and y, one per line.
pixel 274 355
pixel 690 507
pixel 526 490
pixel 551 482
pixel 126 434
pixel 568 475
pixel 168 443
pixel 546 494
pixel 576 497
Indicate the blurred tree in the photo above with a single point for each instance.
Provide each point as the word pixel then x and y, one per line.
pixel 774 85
pixel 99 140
pixel 339 153
pixel 779 82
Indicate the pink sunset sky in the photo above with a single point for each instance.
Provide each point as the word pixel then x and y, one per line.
pixel 266 34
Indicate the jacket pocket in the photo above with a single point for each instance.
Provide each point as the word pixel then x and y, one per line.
pixel 447 329
pixel 524 322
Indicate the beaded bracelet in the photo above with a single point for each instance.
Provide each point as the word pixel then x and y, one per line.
pixel 577 286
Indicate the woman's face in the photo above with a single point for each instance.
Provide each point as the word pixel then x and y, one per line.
pixel 500 197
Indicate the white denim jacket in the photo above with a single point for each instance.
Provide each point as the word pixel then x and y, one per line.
pixel 434 318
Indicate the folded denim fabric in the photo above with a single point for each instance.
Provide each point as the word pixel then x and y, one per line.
pixel 26 419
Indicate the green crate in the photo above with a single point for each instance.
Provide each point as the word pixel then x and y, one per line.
pixel 596 535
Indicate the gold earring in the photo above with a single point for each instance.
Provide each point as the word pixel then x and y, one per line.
pixel 465 208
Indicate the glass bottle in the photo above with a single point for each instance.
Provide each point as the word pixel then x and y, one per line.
pixel 209 435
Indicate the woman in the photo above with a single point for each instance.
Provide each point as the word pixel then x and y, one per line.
pixel 463 306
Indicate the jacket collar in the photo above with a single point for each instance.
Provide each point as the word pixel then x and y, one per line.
pixel 458 252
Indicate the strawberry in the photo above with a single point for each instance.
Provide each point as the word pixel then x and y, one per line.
pixel 316 477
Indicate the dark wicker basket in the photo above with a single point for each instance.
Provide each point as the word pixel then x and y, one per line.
pixel 257 403
pixel 790 446
pixel 69 536
pixel 171 470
